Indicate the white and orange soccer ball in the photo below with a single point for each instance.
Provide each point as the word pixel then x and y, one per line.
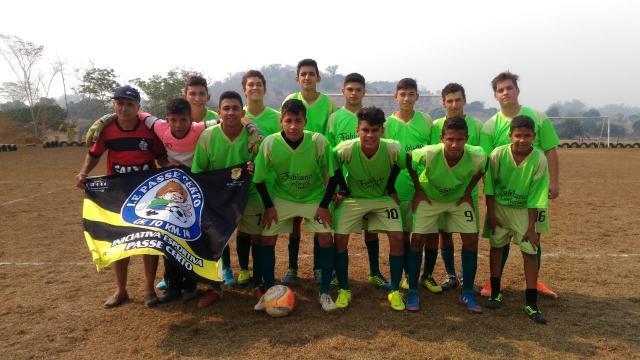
pixel 279 301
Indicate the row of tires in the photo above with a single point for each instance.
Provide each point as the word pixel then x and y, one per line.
pixel 576 145
pixel 55 144
pixel 8 147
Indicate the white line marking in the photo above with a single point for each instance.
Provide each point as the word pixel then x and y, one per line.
pixel 11 202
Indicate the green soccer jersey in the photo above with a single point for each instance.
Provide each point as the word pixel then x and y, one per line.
pixel 341 126
pixel 267 122
pixel 413 134
pixel 210 115
pixel 441 182
pixel 215 151
pixel 318 112
pixel 522 186
pixel 367 177
pixel 495 132
pixel 474 127
pixel 300 173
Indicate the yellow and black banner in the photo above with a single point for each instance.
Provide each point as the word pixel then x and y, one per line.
pixel 186 217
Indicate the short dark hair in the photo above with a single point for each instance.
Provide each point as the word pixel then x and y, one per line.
pixel 195 80
pixel 506 75
pixel 294 106
pixel 407 83
pixel 307 62
pixel 522 121
pixel 253 73
pixel 456 123
pixel 354 78
pixel 230 95
pixel 452 88
pixel 372 115
pixel 178 106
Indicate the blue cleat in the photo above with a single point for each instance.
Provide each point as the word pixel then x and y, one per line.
pixel 227 276
pixel 413 301
pixel 162 285
pixel 468 299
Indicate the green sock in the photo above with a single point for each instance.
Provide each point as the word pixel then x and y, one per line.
pixel 342 269
pixel 256 251
pixel 316 253
pixel 396 265
pixel 373 251
pixel 414 260
pixel 469 266
pixel 226 257
pixel 294 249
pixel 268 270
pixel 243 248
pixel 505 256
pixel 326 260
pixel 430 261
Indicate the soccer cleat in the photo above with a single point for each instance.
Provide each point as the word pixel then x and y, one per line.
pixel 494 303
pixel 289 277
pixel 162 285
pixel 344 298
pixel 413 301
pixel 468 299
pixel 452 282
pixel 188 295
pixel 535 314
pixel 259 306
pixel 544 290
pixel 209 297
pixel 243 277
pixel 168 296
pixel 430 284
pixel 227 276
pixel 404 283
pixel 327 303
pixel 379 281
pixel 334 281
pixel 486 290
pixel 396 301
pixel 317 276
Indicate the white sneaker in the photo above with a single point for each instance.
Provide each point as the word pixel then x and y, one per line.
pixel 259 305
pixel 327 303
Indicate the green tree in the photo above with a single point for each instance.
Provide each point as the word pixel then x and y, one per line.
pixel 636 127
pixel 553 111
pixel 162 88
pixel 98 84
pixel 569 129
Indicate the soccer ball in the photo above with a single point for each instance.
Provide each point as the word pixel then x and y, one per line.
pixel 279 301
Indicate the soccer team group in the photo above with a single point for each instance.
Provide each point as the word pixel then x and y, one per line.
pixel 348 170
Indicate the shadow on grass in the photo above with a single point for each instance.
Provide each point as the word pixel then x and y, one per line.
pixel 577 323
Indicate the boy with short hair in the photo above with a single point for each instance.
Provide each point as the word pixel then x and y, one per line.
pixel 453 100
pixel 299 162
pixel 196 92
pixel 448 173
pixel 371 165
pixel 343 126
pixel 413 130
pixel 318 108
pixel 516 189
pixel 495 132
pixel 222 146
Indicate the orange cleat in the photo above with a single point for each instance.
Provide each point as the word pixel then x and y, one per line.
pixel 486 290
pixel 209 298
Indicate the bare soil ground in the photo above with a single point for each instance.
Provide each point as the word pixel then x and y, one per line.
pixel 52 296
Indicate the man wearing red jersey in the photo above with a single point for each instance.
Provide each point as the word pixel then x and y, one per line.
pixel 130 147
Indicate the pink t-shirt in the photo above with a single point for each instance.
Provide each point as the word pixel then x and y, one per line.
pixel 179 150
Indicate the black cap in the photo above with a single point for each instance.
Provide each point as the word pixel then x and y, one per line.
pixel 127 92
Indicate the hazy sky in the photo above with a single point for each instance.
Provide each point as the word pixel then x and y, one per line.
pixel 563 50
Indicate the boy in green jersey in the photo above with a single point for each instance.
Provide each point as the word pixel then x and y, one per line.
pixel 371 165
pixel 267 121
pixel 495 132
pixel 448 173
pixel 453 100
pixel 413 130
pixel 516 189
pixel 318 108
pixel 342 126
pixel 299 162
pixel 222 146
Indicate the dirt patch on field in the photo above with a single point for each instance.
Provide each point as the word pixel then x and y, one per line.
pixel 52 295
